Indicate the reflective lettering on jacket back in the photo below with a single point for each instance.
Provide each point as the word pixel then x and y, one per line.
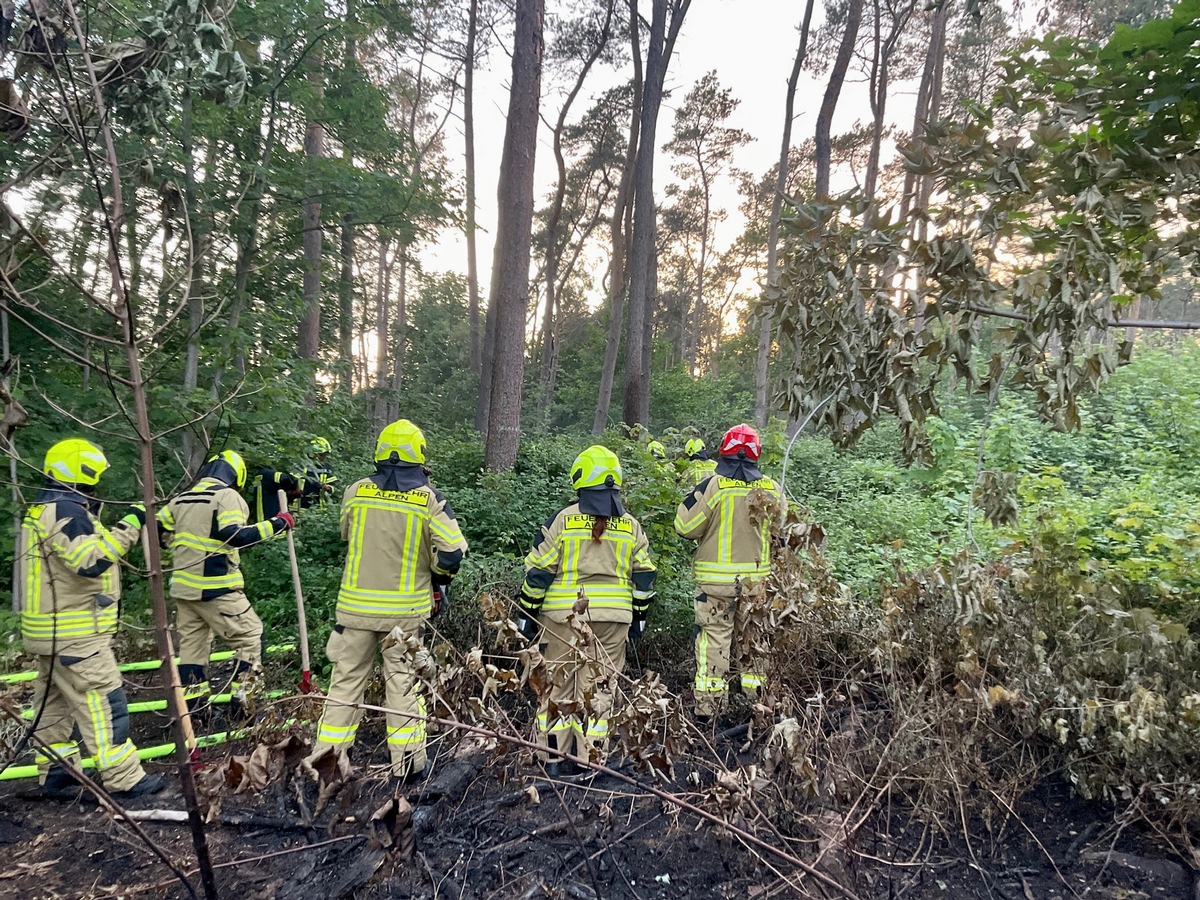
pixel 372 491
pixel 583 522
pixel 765 484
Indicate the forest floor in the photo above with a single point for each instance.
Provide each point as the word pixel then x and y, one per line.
pixel 489 824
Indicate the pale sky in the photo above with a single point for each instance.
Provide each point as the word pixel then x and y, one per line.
pixel 750 43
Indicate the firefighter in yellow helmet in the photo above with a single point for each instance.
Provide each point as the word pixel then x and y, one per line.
pixel 205 529
pixel 699 466
pixel 70 585
pixel 591 547
pixel 732 553
pixel 318 482
pixel 405 547
pixel 313 488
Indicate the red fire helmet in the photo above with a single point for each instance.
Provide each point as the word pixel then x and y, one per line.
pixel 741 437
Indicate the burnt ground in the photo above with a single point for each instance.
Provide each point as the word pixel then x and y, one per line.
pixel 478 830
pixel 488 824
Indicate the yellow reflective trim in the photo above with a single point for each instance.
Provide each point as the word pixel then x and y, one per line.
pixel 446 533
pixel 68 750
pixel 196 542
pixel 114 756
pixel 751 681
pixel 203 582
pixel 96 710
pixel 412 545
pixel 336 734
pixel 597 729
pixel 68 623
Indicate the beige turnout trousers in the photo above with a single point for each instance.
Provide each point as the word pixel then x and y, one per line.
pixel 565 722
pixel 719 624
pixel 82 689
pixel 352 652
pixel 233 620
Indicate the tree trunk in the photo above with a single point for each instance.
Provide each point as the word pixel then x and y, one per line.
pixel 309 342
pixel 553 248
pixel 917 190
pixel 763 362
pixel 641 265
pixel 383 291
pixel 833 91
pixel 469 137
pixel 192 449
pixel 127 316
pixel 400 336
pixel 934 61
pixel 346 273
pixel 510 284
pixel 619 231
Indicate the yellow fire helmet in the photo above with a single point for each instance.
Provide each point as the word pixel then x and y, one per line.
pixel 235 461
pixel 75 461
pixel 694 446
pixel 402 441
pixel 657 450
pixel 596 467
pixel 320 445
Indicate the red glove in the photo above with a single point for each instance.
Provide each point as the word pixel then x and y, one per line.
pixel 287 519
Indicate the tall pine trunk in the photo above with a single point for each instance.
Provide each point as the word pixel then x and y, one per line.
pixel 833 91
pixel 510 294
pixel 555 245
pixel 383 291
pixel 308 344
pixel 619 230
pixel 469 138
pixel 642 269
pixel 763 362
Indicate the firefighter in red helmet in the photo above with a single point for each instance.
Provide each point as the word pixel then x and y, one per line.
pixel 733 553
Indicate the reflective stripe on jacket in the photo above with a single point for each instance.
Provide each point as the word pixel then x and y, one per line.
pixel 398 541
pixel 717 515
pixel 267 485
pixel 204 527
pixel 697 471
pixel 313 483
pixel 69 571
pixel 614 572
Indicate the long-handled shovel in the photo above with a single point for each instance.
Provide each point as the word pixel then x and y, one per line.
pixel 306 684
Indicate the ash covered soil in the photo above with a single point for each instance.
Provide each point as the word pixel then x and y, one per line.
pixel 487 824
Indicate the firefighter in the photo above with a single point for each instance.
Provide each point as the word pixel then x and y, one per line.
pixel 591 547
pixel 405 547
pixel 268 482
pixel 205 528
pixel 732 554
pixel 699 465
pixel 318 482
pixel 657 451
pixel 70 576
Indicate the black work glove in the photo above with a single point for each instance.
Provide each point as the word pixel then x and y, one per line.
pixel 441 598
pixel 527 611
pixel 641 612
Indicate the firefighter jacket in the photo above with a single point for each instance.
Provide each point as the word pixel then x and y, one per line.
pixel 615 572
pixel 717 515
pixel 204 528
pixel 267 484
pixel 696 471
pixel 69 571
pixel 317 484
pixel 403 540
